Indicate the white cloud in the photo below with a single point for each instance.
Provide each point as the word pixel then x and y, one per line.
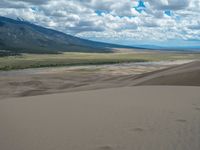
pixel 111 19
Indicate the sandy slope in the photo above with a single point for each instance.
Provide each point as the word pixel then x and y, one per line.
pixel 135 118
pixel 187 74
pixel 66 79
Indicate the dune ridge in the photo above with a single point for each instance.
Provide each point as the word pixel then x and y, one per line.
pixel 83 79
pixel 183 75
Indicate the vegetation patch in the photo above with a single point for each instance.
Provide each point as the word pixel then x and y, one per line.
pixel 25 61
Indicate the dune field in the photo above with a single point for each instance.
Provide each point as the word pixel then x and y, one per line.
pixel 30 82
pixel 116 118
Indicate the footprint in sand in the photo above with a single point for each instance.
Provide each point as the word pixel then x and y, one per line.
pixel 138 129
pixel 197 108
pixel 106 147
pixel 181 120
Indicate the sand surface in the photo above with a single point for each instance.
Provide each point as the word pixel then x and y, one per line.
pixel 186 75
pixel 42 81
pixel 129 118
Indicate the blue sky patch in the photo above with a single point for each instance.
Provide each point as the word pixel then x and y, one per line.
pixel 168 12
pixel 34 8
pixel 141 6
pixel 100 12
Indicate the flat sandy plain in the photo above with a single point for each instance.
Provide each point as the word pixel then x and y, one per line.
pixel 121 117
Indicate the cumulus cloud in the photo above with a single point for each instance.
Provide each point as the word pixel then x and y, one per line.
pixel 157 20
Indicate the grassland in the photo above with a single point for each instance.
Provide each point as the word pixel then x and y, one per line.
pixel 74 59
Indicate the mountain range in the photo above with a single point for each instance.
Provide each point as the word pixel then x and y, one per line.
pixel 19 36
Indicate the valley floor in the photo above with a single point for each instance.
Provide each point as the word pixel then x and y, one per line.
pixel 26 61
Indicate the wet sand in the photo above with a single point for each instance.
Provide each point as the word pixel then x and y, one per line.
pixel 129 118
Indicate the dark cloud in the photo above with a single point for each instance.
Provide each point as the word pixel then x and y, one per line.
pixel 169 4
pixel 10 4
pixel 194 27
pixel 35 2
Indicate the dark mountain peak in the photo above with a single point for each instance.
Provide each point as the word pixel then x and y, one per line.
pixel 24 37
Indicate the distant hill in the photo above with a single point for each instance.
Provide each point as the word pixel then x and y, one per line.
pixel 19 36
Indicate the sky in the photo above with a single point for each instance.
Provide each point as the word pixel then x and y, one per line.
pixel 131 22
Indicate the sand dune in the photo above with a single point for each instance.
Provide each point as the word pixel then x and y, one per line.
pixel 186 74
pixel 130 118
pixel 127 118
pixel 41 81
pixel 69 79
